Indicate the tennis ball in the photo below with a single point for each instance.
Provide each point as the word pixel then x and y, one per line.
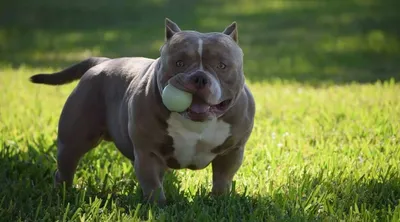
pixel 176 100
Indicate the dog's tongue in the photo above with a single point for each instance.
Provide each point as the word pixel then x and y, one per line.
pixel 199 106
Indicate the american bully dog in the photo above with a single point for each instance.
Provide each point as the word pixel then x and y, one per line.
pixel 119 100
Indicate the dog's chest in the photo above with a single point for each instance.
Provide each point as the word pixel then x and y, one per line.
pixel 193 141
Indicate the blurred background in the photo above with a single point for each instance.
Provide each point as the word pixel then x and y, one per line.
pixel 336 41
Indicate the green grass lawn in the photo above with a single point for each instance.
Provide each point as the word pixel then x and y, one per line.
pixel 326 141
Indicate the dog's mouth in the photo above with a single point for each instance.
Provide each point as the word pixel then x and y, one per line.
pixel 200 110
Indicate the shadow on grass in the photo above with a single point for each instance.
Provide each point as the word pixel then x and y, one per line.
pixel 310 42
pixel 339 41
pixel 27 193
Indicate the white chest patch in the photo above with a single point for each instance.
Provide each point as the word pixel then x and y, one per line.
pixel 193 141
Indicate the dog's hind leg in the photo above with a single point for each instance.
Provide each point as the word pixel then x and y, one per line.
pixel 81 126
pixel 68 156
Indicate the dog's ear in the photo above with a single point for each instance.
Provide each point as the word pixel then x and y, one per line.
pixel 170 28
pixel 232 31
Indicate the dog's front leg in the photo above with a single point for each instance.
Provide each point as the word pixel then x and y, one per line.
pixel 224 168
pixel 150 173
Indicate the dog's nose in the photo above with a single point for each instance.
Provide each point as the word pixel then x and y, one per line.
pixel 199 80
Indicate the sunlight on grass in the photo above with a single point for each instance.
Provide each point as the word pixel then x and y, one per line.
pixel 65 56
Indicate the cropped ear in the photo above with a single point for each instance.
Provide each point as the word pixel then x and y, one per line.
pixel 232 31
pixel 170 28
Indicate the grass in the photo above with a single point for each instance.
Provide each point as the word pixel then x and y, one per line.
pixel 326 143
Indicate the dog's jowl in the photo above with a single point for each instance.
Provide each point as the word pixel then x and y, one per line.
pixel 119 100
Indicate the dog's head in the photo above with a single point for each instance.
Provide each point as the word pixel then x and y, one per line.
pixel 208 65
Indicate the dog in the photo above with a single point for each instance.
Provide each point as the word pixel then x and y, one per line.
pixel 119 100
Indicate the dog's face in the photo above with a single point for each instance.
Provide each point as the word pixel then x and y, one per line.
pixel 208 65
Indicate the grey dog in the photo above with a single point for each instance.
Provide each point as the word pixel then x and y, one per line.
pixel 119 100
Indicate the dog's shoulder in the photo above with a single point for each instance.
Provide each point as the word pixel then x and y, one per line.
pixel 241 117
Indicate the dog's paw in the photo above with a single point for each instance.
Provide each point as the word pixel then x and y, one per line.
pixel 58 181
pixel 156 197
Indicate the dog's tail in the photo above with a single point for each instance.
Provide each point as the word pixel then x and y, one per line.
pixel 69 74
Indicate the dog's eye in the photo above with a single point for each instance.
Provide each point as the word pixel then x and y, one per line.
pixel 179 63
pixel 221 66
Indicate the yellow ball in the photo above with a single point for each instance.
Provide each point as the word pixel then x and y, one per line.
pixel 176 100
